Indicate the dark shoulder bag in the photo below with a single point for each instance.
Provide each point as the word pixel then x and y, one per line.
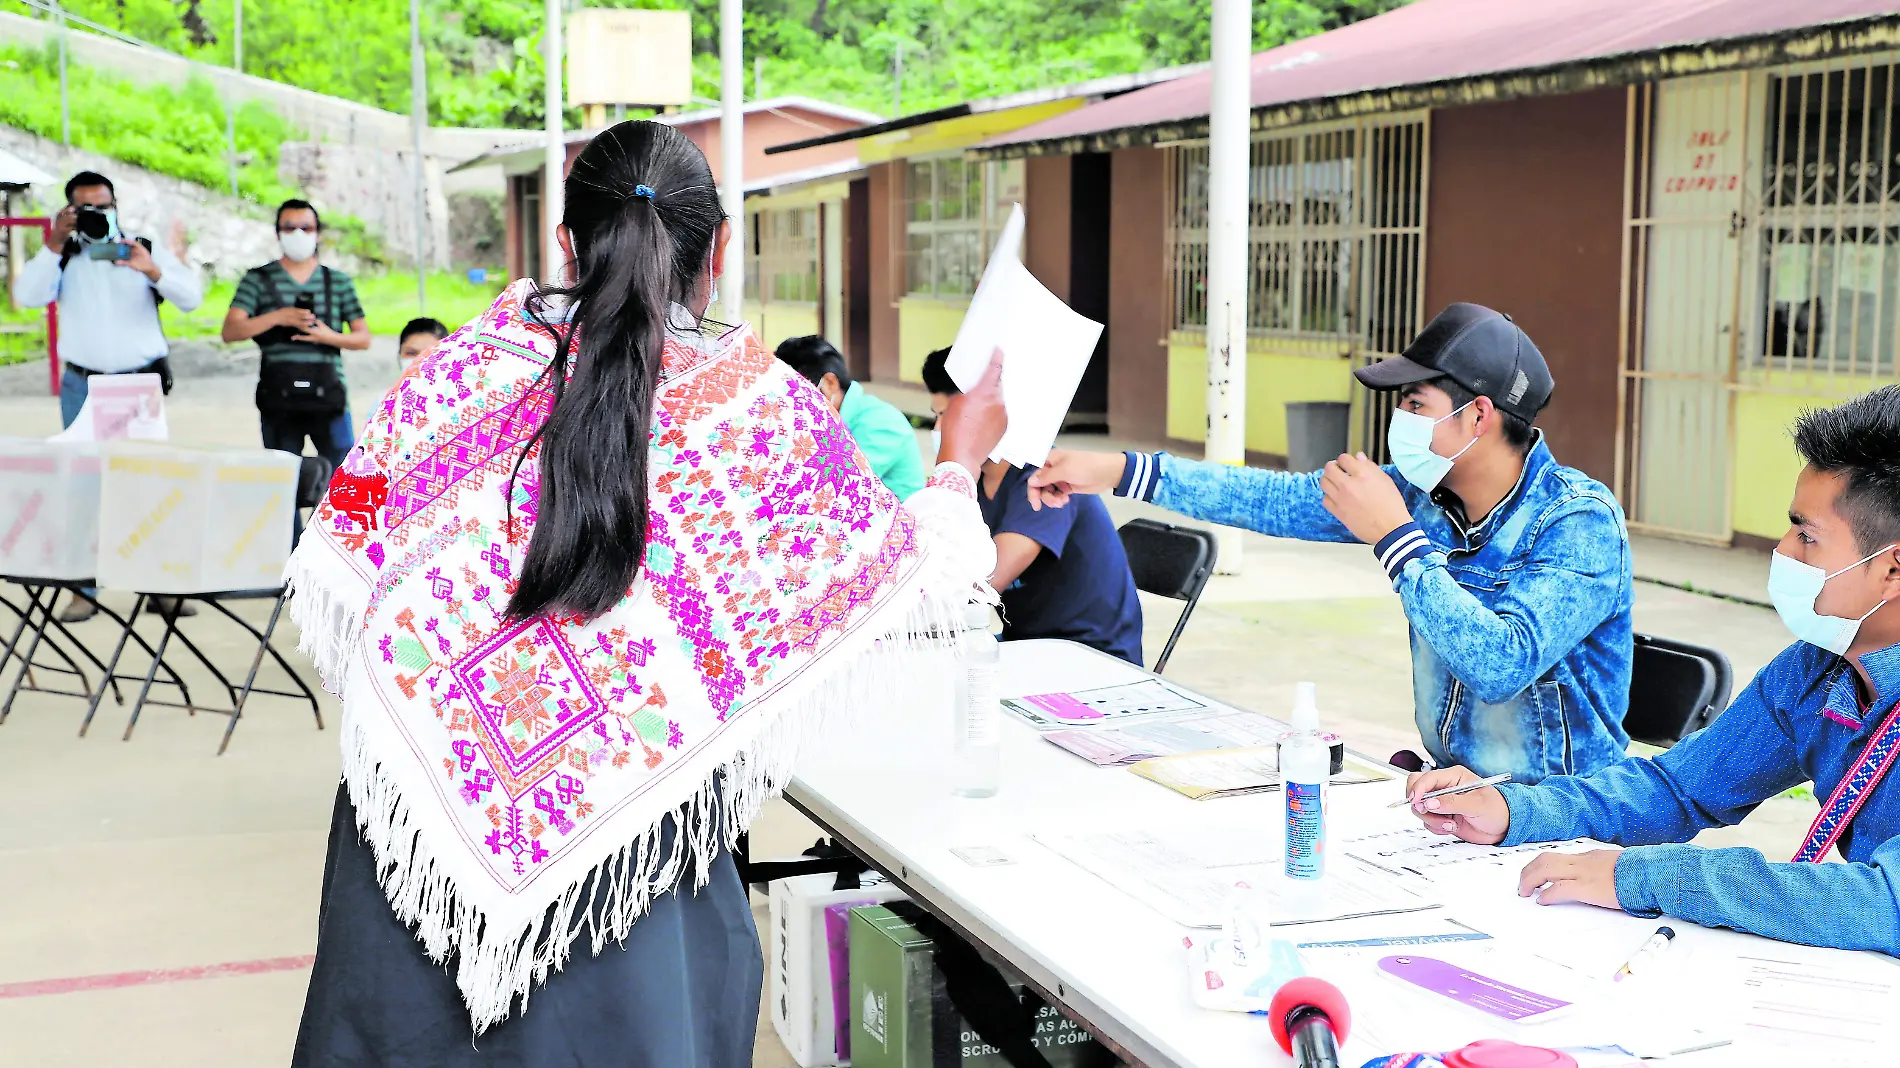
pixel 311 388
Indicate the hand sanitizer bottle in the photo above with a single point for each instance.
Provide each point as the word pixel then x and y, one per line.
pixel 979 729
pixel 1305 764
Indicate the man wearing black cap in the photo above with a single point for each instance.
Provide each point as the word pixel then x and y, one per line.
pixel 1513 569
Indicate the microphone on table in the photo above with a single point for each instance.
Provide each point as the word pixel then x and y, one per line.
pixel 1310 1019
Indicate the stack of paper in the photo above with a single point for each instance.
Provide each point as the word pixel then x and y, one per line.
pixel 1046 348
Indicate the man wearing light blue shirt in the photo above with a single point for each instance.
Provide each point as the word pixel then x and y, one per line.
pixel 108 285
pixel 109 306
pixel 1826 711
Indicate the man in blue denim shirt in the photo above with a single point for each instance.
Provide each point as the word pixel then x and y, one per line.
pixel 1513 569
pixel 1822 711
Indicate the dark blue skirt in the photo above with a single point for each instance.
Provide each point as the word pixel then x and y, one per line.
pixel 681 992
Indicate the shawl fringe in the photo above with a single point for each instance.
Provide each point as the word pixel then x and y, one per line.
pixel 496 966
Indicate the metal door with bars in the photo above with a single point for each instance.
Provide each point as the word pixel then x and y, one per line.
pixel 1688 175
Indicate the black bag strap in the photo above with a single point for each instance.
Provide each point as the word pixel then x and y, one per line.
pixel 329 301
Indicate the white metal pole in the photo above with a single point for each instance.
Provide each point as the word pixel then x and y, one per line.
pixel 555 168
pixel 65 114
pixel 230 93
pixel 418 120
pixel 732 156
pixel 1227 247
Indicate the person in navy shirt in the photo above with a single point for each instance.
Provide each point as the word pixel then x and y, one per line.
pixel 1826 711
pixel 1061 571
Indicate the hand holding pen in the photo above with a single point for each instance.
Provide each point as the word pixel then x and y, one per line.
pixel 1456 802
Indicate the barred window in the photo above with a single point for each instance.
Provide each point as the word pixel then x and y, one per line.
pixel 783 264
pixel 1828 273
pixel 953 212
pixel 1335 234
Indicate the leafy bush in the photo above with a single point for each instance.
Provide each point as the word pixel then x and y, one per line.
pixel 178 131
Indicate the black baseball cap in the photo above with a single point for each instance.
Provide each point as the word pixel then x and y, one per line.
pixel 1481 350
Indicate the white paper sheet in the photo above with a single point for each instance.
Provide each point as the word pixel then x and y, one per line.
pixel 1046 348
pixel 120 407
pixel 1802 1011
pixel 1188 874
pixel 1416 851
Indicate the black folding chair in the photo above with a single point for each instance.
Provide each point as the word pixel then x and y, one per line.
pixel 1169 561
pixel 312 479
pixel 1676 689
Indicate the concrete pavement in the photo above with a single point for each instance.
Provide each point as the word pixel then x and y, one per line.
pixel 162 900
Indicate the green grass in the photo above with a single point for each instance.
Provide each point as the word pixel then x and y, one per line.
pixel 389 301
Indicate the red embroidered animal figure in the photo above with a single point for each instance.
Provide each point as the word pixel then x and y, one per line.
pixel 359 496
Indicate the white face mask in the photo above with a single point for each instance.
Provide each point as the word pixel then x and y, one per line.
pixel 1793 587
pixel 936 444
pixel 298 245
pixel 1409 440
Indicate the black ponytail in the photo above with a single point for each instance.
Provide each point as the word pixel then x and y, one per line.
pixel 642 211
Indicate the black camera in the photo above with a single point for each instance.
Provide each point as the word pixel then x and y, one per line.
pixel 92 222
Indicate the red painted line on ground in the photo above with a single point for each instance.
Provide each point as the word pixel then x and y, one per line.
pixel 83 983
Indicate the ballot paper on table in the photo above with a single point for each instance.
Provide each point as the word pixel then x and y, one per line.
pixel 120 408
pixel 1046 348
pixel 1188 873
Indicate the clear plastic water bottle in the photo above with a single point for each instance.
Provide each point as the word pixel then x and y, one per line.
pixel 1305 771
pixel 979 728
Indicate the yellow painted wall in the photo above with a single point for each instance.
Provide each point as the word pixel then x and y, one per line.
pixel 780 321
pixel 1765 460
pixel 923 326
pixel 1274 377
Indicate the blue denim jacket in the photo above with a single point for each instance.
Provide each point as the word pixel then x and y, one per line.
pixel 1799 720
pixel 1520 625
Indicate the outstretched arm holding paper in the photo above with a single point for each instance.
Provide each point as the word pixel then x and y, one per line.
pixel 1513 569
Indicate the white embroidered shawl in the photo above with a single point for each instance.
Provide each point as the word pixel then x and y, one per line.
pixel 494 765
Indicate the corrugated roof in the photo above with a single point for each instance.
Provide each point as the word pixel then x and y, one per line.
pixel 1451 51
pixel 1107 86
pixel 535 146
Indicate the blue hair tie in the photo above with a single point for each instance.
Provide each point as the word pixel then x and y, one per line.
pixel 643 191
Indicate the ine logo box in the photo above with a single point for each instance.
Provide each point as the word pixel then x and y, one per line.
pixel 809 992
pixel 904 1016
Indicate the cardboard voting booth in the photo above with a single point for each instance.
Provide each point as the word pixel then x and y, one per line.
pixel 903 1016
pixel 178 520
pixel 49 509
pixel 810 989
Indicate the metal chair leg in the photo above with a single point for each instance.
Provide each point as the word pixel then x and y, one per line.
pixel 158 657
pixel 32 646
pixel 257 661
pixel 112 668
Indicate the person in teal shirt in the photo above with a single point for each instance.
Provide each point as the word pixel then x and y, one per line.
pixel 883 434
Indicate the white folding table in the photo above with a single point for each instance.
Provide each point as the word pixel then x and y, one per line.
pixel 1115 965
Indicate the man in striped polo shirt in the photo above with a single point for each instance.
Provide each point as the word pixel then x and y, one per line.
pixel 1513 569
pixel 298 312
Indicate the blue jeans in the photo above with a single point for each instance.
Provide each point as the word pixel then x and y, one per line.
pixel 331 438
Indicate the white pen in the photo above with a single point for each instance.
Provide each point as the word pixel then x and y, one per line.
pixel 1449 790
pixel 1647 953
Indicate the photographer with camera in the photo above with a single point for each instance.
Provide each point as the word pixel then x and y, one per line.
pixel 108 285
pixel 297 310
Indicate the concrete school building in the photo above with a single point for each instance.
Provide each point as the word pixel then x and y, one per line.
pixel 915 224
pixel 1689 206
pixel 767 122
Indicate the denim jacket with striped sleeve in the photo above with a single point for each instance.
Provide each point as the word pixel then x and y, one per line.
pixel 1800 720
pixel 1520 624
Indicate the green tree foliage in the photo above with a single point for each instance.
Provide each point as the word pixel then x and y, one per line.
pixel 485 65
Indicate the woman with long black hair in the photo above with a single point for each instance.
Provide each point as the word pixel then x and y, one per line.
pixel 594 574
